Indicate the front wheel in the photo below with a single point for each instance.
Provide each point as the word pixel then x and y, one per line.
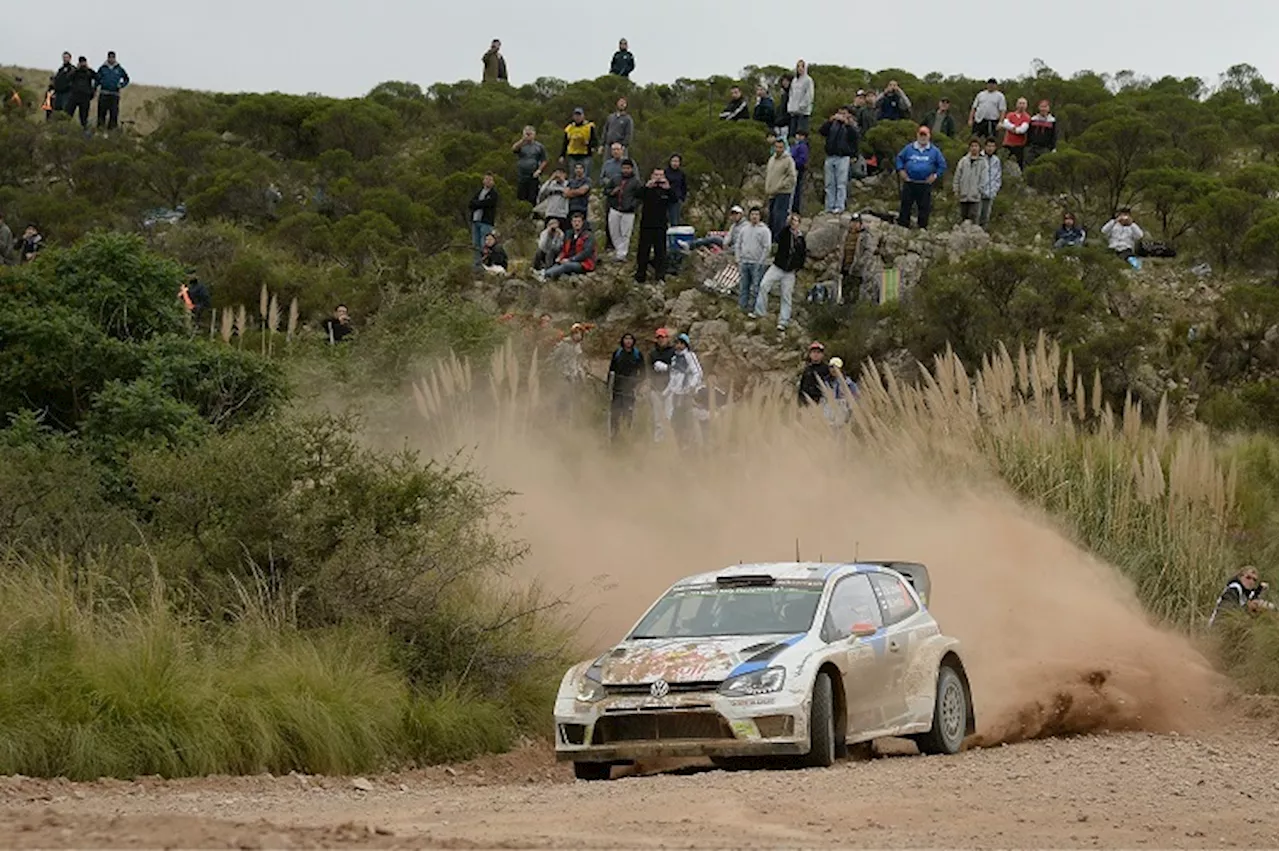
pixel 950 715
pixel 822 725
pixel 592 770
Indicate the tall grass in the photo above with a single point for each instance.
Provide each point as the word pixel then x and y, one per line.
pixel 91 687
pixel 1158 503
pixel 1177 511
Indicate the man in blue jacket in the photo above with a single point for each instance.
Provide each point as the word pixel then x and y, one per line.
pixel 112 78
pixel 920 165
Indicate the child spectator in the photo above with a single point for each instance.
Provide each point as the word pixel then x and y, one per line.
pixel 995 179
pixel 971 173
pixel 1070 235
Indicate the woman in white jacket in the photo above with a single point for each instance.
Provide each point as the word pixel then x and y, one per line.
pixel 800 99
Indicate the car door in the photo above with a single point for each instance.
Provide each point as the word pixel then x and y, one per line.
pixel 853 605
pixel 902 617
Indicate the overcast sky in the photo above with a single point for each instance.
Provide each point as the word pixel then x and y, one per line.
pixel 344 47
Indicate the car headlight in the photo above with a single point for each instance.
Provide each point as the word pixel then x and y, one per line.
pixel 756 682
pixel 589 687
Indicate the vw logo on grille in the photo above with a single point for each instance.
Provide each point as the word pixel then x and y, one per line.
pixel 659 689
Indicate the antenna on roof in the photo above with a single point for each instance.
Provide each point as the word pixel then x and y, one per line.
pixel 855 550
pixel 820 558
pixel 797 550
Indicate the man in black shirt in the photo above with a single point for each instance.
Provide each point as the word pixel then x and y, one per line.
pixel 84 82
pixel 338 327
pixel 653 227
pixel 626 371
pixel 816 373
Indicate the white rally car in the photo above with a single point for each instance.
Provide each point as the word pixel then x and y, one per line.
pixel 770 660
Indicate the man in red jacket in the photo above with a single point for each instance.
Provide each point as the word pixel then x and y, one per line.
pixel 1015 126
pixel 579 253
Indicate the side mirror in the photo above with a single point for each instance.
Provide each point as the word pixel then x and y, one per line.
pixel 862 629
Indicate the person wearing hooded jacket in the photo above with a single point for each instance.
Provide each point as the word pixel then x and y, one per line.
pixel 800 99
pixel 684 380
pixel 626 371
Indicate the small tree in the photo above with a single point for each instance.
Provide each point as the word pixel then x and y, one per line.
pixel 1225 216
pixel 1173 193
pixel 1261 246
pixel 1122 145
pixel 727 159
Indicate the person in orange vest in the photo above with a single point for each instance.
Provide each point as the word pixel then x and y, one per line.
pixel 47 105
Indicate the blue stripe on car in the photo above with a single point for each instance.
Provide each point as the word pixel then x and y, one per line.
pixel 761 660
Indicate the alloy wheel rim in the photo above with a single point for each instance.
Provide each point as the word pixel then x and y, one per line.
pixel 952 711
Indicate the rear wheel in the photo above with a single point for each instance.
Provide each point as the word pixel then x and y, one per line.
pixel 950 715
pixel 592 770
pixel 822 725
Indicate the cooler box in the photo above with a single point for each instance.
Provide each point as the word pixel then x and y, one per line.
pixel 679 237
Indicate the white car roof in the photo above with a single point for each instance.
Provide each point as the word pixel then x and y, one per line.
pixel 786 570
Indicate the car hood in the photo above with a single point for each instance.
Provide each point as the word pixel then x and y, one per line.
pixel 682 660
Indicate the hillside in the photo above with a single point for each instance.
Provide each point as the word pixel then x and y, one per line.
pixel 386 551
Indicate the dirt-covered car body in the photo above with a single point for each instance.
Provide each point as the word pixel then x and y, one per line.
pixel 708 689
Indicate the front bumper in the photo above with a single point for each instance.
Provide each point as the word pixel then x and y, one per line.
pixel 625 728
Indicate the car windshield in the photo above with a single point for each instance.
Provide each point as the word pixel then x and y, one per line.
pixel 692 611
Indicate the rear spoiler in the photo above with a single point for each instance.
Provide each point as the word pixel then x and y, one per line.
pixel 914 572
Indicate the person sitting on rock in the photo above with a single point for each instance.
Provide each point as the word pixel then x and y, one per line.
pixel 1070 235
pixel 1122 233
pixel 578 254
pixel 550 243
pixel 1244 591
pixel 493 257
pixel 552 196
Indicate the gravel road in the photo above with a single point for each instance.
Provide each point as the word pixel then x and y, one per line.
pixel 1133 790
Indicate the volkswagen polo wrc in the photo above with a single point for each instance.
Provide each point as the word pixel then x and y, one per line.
pixel 795 661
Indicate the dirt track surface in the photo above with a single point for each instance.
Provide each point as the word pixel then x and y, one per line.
pixel 1129 790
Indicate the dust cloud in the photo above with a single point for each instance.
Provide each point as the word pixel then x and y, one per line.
pixel 1055 642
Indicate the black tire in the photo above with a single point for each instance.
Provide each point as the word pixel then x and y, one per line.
pixel 950 714
pixel 592 770
pixel 822 725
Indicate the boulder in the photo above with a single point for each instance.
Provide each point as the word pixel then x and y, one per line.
pixel 825 236
pixel 683 309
